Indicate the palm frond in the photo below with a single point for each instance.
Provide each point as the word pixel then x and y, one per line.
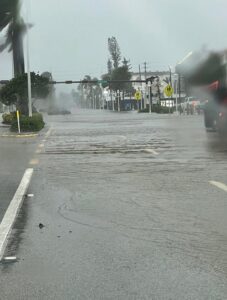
pixel 7 43
pixel 4 21
pixel 9 11
pixel 10 16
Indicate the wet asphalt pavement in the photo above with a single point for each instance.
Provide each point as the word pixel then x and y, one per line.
pixel 128 211
pixel 15 154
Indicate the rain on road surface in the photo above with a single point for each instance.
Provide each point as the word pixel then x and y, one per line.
pixel 128 209
pixel 15 154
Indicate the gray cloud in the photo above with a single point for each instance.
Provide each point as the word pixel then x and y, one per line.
pixel 70 37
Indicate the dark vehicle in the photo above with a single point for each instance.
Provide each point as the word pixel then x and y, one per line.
pixel 215 111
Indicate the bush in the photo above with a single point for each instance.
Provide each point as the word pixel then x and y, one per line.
pixel 158 109
pixel 29 124
pixel 163 109
pixel 144 110
pixel 8 118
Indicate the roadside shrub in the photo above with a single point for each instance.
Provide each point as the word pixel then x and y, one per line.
pixel 158 109
pixel 29 124
pixel 162 109
pixel 8 118
pixel 144 110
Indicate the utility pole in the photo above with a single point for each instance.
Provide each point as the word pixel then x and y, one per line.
pixel 142 104
pixel 170 75
pixel 145 75
pixel 179 87
pixel 118 102
pixel 140 73
pixel 93 98
pixel 177 95
pixel 112 99
pixel 149 95
pixel 142 100
pixel 145 70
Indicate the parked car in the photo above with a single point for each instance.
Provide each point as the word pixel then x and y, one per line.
pixel 215 112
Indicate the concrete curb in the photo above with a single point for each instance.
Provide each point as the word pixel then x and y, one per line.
pixel 19 135
pixel 13 210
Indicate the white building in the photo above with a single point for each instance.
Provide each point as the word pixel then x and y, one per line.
pixel 159 84
pixel 164 79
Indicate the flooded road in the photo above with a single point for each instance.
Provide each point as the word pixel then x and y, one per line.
pixel 15 154
pixel 128 211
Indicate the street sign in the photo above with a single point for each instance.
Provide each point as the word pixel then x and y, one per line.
pixel 168 90
pixel 103 81
pixel 138 95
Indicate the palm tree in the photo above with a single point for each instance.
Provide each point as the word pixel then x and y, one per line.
pixel 97 94
pixel 11 20
pixel 86 88
pixel 90 92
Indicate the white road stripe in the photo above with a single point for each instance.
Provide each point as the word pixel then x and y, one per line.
pixel 151 151
pixel 30 195
pixel 34 161
pixel 13 210
pixel 10 258
pixel 220 185
pixel 48 132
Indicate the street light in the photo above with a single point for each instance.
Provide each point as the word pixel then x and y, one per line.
pixel 149 94
pixel 28 66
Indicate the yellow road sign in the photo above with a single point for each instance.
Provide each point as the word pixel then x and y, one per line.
pixel 138 95
pixel 168 90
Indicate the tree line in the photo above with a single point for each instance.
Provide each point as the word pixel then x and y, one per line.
pixel 90 94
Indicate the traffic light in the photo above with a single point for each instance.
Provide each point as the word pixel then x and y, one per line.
pixel 151 79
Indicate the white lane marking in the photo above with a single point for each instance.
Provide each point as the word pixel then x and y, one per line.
pixel 13 210
pixel 10 258
pixel 48 132
pixel 30 195
pixel 151 151
pixel 38 151
pixel 220 185
pixel 34 161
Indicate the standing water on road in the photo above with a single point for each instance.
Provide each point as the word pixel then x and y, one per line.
pixel 130 196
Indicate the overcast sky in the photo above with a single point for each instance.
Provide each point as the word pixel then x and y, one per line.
pixel 69 37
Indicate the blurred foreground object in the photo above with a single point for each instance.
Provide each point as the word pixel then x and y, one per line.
pixel 208 71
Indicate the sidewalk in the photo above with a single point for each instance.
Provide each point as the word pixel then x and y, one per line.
pixel 5 131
